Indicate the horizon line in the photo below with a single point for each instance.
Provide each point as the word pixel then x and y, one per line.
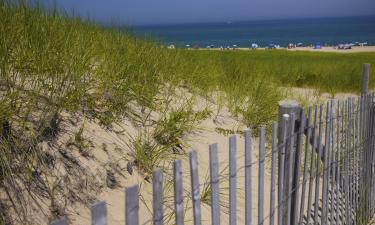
pixel 236 21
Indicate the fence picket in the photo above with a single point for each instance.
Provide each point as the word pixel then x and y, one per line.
pixel 248 182
pixel 317 182
pixel 132 205
pixel 232 181
pixel 214 182
pixel 338 166
pixel 333 164
pixel 289 165
pixel 358 149
pixel 312 163
pixel 350 152
pixel 371 166
pixel 262 136
pixel 346 164
pixel 178 193
pixel 273 173
pixel 326 164
pixel 305 165
pixel 157 196
pixel 281 199
pixel 297 164
pixel 99 213
pixel 195 187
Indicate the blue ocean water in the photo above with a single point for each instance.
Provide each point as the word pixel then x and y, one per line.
pixel 329 31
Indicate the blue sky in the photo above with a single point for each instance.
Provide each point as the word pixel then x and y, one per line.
pixel 141 12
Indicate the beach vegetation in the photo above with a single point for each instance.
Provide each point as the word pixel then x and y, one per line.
pixel 172 126
pixel 52 64
pixel 148 155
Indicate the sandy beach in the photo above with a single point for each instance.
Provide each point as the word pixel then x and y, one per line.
pixel 355 49
pixel 332 49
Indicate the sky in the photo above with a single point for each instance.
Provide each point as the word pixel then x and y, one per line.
pixel 144 12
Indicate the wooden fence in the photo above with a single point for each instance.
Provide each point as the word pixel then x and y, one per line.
pixel 322 171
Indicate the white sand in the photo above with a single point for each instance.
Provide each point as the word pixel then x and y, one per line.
pixel 354 49
pixel 332 49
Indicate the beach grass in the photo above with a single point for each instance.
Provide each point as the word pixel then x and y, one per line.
pixel 329 72
pixel 51 64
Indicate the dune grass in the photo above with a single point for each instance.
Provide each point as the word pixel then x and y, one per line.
pixel 329 72
pixel 52 64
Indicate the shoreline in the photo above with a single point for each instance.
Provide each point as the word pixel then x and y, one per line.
pixel 355 49
pixel 333 49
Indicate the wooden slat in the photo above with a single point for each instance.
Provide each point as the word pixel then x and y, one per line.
pixel 297 165
pixel 196 198
pixel 360 146
pixel 289 166
pixel 312 166
pixel 178 193
pixel 281 199
pixel 262 136
pixel 132 205
pixel 305 165
pixel 371 172
pixel 355 151
pixel 331 170
pixel 232 181
pixel 349 162
pixel 367 150
pixel 352 156
pixel 346 159
pixel 248 182
pixel 365 161
pixel 214 181
pixel 338 166
pixel 317 181
pixel 371 158
pixel 99 213
pixel 326 164
pixel 332 220
pixel 273 173
pixel 357 121
pixel 157 196
pixel 61 221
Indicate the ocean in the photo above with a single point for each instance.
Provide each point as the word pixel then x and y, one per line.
pixel 330 31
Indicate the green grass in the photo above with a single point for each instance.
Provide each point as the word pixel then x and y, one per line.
pixel 174 124
pixel 52 64
pixel 147 155
pixel 330 72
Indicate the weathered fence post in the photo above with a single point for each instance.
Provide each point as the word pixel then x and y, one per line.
pixel 287 108
pixel 365 78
